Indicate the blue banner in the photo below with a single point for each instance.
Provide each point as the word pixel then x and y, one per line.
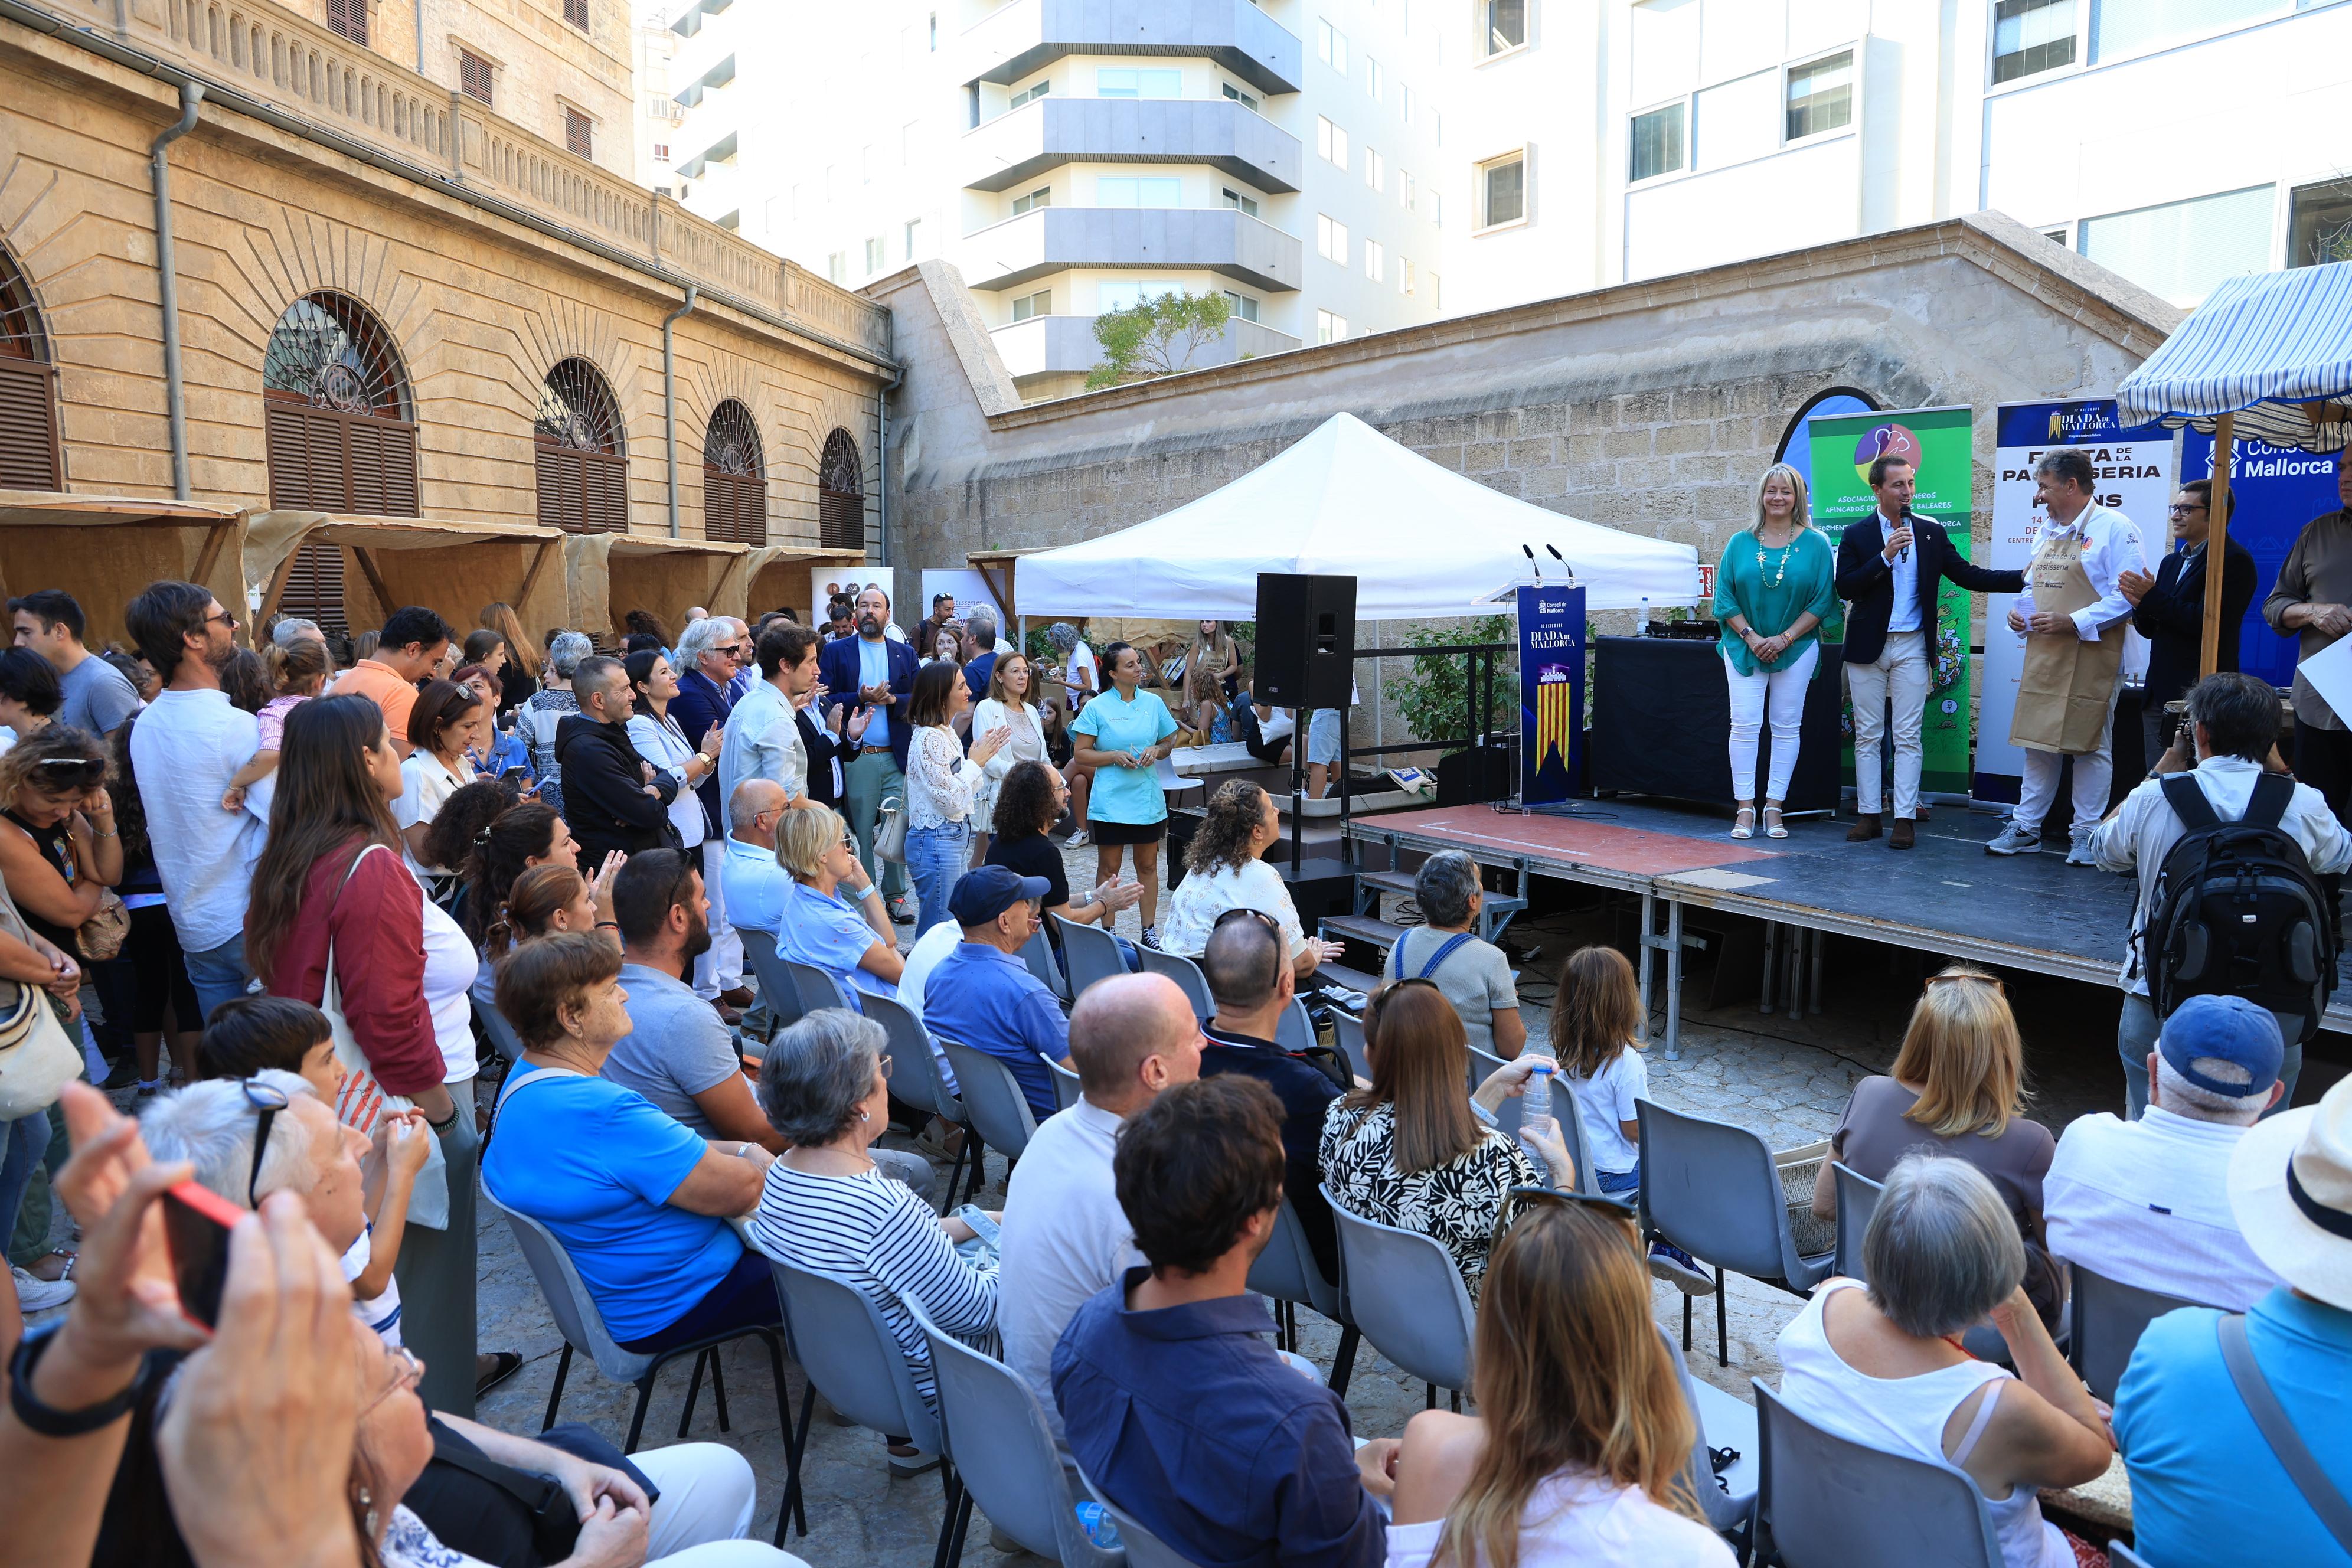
pixel 1551 693
pixel 2274 492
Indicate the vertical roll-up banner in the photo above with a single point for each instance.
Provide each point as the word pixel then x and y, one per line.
pixel 2134 470
pixel 1552 692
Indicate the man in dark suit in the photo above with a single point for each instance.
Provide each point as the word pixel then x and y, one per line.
pixel 877 673
pixel 1890 567
pixel 2169 609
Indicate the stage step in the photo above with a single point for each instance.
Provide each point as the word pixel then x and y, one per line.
pixel 1373 932
pixel 1401 882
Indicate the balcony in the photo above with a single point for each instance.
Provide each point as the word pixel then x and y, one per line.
pixel 1018 147
pixel 1161 239
pixel 1064 345
pixel 1029 35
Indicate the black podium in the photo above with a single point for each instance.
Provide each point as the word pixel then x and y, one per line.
pixel 1662 725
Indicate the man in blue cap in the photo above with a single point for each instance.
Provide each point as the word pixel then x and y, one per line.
pixel 982 994
pixel 2146 1202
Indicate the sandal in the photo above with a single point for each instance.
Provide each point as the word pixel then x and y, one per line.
pixel 492 1368
pixel 1743 823
pixel 1773 826
pixel 64 1271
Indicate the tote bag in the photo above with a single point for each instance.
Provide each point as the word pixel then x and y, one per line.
pixel 37 1058
pixel 364 1100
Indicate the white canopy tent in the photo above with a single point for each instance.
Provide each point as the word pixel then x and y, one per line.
pixel 1420 540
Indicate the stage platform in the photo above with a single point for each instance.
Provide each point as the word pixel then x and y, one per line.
pixel 1945 896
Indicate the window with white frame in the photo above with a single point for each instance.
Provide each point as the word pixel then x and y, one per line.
pixel 1330 143
pixel 1331 239
pixel 2030 36
pixel 1331 46
pixel 2319 223
pixel 1127 296
pixel 914 237
pixel 2117 30
pixel 1437 209
pixel 836 267
pixel 1138 191
pixel 1041 197
pixel 1040 303
pixel 1245 206
pixel 1247 100
pixel 1404 275
pixel 1503 190
pixel 1329 328
pixel 1118 81
pixel 1404 189
pixel 1658 143
pixel 1376 261
pixel 1376 170
pixel 1031 93
pixel 1406 90
pixel 1820 96
pixel 1437 126
pixel 877 252
pixel 2179 250
pixel 1373 84
pixel 1505 26
pixel 1243 307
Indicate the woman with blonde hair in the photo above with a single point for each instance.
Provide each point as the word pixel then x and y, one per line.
pixel 1211 670
pixel 1582 1447
pixel 1775 586
pixel 1408 1152
pixel 833 919
pixel 1957 1088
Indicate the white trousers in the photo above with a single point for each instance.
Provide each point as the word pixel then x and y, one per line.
pixel 708 1499
pixel 2094 772
pixel 721 967
pixel 1780 692
pixel 1897 677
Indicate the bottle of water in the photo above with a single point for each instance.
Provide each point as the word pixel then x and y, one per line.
pixel 1536 1104
pixel 1642 630
pixel 1096 1520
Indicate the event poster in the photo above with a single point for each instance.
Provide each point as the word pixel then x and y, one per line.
pixel 2274 492
pixel 1938 443
pixel 2135 478
pixel 1551 691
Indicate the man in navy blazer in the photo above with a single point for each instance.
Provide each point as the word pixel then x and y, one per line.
pixel 876 673
pixel 710 652
pixel 1890 568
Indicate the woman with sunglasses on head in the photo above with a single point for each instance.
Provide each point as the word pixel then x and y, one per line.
pixel 1409 1152
pixel 1225 867
pixel 1580 1450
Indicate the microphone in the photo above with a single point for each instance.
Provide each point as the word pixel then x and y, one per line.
pixel 1904 554
pixel 1533 564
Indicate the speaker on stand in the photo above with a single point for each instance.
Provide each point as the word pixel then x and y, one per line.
pixel 1305 660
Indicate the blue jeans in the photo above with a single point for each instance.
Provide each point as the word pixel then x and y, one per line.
pixel 218 974
pixel 22 1144
pixel 1615 1182
pixel 935 858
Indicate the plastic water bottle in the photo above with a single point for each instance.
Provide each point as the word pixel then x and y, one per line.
pixel 1096 1520
pixel 1642 630
pixel 1535 1106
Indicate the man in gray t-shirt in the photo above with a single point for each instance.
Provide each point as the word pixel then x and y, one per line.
pixel 1474 974
pixel 97 696
pixel 676 1050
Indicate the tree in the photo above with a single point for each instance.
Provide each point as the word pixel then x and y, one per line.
pixel 1434 699
pixel 1156 337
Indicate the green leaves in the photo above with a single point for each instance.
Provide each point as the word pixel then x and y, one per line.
pixel 1156 337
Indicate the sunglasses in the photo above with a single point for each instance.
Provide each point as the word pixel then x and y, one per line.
pixel 1992 980
pixel 84 773
pixel 268 1101
pixel 1244 910
pixel 1519 1202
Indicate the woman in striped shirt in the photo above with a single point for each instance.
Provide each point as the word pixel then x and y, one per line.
pixel 826 1206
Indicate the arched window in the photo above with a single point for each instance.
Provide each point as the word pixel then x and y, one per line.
pixel 734 478
pixel 30 458
pixel 840 495
pixel 342 436
pixel 583 471
pixel 1796 444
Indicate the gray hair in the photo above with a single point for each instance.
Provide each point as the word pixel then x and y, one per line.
pixel 1445 886
pixel 816 1071
pixel 1063 636
pixel 698 638
pixel 980 627
pixel 2183 1097
pixel 210 1125
pixel 1942 1250
pixel 750 799
pixel 290 630
pixel 567 650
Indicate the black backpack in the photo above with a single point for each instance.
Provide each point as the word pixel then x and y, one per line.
pixel 2236 912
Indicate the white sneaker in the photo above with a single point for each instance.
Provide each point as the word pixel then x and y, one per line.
pixel 2079 852
pixel 2012 842
pixel 1077 840
pixel 34 1294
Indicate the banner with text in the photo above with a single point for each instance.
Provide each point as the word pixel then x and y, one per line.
pixel 2274 492
pixel 1937 442
pixel 2135 478
pixel 1552 692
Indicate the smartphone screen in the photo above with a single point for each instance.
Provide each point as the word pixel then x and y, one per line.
pixel 196 1223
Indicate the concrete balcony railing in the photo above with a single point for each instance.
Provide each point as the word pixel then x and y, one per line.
pixel 1160 240
pixel 1017 147
pixel 1065 345
pixel 1028 35
pixel 260 51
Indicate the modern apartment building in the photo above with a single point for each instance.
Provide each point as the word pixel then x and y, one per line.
pixel 1072 157
pixel 2175 142
pixel 659 111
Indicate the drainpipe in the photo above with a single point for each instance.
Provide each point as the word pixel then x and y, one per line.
pixel 168 280
pixel 420 38
pixel 669 400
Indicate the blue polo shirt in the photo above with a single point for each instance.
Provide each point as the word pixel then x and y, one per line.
pixel 1124 794
pixel 825 934
pixel 1188 1419
pixel 986 998
pixel 753 887
pixel 2205 1488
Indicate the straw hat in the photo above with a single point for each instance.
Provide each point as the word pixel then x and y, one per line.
pixel 2291 1190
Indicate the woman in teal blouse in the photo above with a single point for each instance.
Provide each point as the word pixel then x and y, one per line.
pixel 1773 589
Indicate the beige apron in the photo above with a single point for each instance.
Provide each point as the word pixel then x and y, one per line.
pixel 2068 685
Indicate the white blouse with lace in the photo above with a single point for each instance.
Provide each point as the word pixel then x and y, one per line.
pixel 1027 745
pixel 941 780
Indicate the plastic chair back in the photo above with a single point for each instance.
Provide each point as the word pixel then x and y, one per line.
pixel 575 1312
pixel 1402 1290
pixel 1711 1189
pixel 1286 1269
pixel 1065 1085
pixel 818 988
pixel 2107 1318
pixel 1348 1030
pixel 1295 1030
pixel 502 1037
pixel 1826 1503
pixel 1038 954
pixel 1088 953
pixel 776 988
pixel 998 1439
pixel 992 1102
pixel 847 1351
pixel 2122 1556
pixel 1857 1200
pixel 1144 1550
pixel 915 1071
pixel 1721 1421
pixel 1185 973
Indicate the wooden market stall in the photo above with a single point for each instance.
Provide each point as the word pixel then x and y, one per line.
pixel 780 576
pixel 105 550
pixel 372 565
pixel 606 576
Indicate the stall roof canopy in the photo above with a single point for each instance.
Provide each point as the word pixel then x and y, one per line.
pixel 2272 348
pixel 1420 541
pixel 54 508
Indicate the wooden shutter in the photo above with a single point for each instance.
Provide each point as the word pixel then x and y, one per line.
pixel 322 461
pixel 576 133
pixel 585 492
pixel 840 520
pixel 473 76
pixel 30 455
pixel 383 463
pixel 314 588
pixel 576 13
pixel 607 482
pixel 734 508
pixel 349 17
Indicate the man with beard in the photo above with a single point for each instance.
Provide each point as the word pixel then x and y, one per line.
pixel 872 672
pixel 188 743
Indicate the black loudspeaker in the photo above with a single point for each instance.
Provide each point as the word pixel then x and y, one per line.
pixel 1306 631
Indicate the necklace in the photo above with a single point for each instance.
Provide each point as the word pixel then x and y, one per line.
pixel 1786 551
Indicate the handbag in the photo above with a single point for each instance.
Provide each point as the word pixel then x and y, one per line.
pixel 890 830
pixel 101 936
pixel 36 1058
pixel 363 1101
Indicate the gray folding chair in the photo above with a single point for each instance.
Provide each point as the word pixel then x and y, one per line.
pixel 1144 1550
pixel 1065 1085
pixel 1185 973
pixel 2106 1319
pixel 1295 1030
pixel 1089 954
pixel 777 992
pixel 1711 1189
pixel 915 1078
pixel 1004 1453
pixel 1038 954
pixel 582 1324
pixel 1402 1290
pixel 1825 1502
pixel 1723 1421
pixel 1857 1200
pixel 818 988
pixel 849 1355
pixel 1350 1031
pixel 992 1103
pixel 2122 1556
pixel 1288 1273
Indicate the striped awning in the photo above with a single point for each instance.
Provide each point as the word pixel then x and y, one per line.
pixel 2272 348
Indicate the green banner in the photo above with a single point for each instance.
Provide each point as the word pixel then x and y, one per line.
pixel 1939 442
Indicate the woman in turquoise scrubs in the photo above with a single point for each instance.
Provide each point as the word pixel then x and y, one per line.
pixel 1122 734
